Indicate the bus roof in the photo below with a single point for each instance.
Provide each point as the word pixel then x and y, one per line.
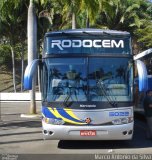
pixel 88 31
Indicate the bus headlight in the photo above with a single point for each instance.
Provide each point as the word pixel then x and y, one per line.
pixel 53 121
pixel 122 120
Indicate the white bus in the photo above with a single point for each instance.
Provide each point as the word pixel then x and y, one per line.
pixel 86 85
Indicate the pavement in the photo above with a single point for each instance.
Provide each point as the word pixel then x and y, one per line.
pixel 20 136
pixel 16 129
pixel 11 113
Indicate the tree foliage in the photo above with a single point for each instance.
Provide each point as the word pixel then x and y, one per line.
pixel 5 54
pixel 144 35
pixel 120 14
pixel 134 16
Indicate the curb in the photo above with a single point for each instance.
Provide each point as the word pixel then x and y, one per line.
pixel 20 96
pixel 32 116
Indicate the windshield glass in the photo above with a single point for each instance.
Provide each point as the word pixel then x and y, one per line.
pixel 65 79
pixel 110 79
pixel 87 79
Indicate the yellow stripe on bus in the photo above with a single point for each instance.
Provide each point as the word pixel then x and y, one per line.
pixel 70 112
pixel 58 115
pixel 65 119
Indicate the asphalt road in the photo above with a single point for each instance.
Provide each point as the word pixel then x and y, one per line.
pixel 23 136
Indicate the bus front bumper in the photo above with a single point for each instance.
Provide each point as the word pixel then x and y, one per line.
pixel 109 132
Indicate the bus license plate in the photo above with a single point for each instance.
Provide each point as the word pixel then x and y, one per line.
pixel 87 133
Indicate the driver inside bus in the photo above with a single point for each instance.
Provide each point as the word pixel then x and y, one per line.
pixel 74 83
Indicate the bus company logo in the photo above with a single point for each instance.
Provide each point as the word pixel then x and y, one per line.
pixel 87 43
pixel 88 120
pixel 115 114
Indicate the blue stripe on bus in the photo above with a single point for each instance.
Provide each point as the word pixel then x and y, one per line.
pixel 66 115
pixel 47 113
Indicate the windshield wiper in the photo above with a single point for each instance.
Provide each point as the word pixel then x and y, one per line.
pixel 67 102
pixel 106 93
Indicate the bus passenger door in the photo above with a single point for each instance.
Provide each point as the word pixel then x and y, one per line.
pixel 29 72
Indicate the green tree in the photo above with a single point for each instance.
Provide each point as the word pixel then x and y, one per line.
pixel 4 54
pixel 127 15
pixel 119 14
pixel 144 33
pixel 90 8
pixel 12 26
pixel 78 13
pixel 70 10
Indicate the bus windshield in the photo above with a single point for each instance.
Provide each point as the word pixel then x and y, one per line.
pixel 87 79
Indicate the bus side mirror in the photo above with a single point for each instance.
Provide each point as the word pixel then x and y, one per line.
pixel 142 76
pixel 29 72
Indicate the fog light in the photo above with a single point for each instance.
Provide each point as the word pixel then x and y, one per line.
pixel 130 132
pixel 45 131
pixel 124 132
pixel 50 132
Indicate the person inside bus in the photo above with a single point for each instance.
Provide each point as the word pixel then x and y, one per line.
pixel 148 112
pixel 74 84
pixel 120 75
